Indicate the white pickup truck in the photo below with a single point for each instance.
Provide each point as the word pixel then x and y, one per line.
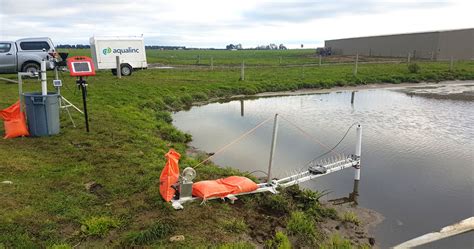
pixel 25 55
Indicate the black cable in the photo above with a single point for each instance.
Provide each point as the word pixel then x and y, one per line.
pixel 335 146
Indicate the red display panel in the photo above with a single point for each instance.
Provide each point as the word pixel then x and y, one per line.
pixel 80 66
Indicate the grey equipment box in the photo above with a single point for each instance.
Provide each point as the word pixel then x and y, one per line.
pixel 42 113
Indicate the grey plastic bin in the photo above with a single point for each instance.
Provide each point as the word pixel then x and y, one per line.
pixel 42 113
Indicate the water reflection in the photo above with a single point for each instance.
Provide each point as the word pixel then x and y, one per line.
pixel 352 198
pixel 417 153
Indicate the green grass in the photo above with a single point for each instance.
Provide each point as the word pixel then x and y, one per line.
pixel 280 241
pixel 234 225
pixel 131 130
pixel 98 226
pixel 302 226
pixel 350 217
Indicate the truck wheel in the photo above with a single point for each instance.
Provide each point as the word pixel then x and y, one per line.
pixel 126 70
pixel 31 67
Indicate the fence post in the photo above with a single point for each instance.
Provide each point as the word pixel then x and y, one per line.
pixel 451 64
pixel 320 60
pixel 199 59
pixel 280 60
pixel 119 71
pixel 352 97
pixel 242 71
pixel 356 64
pixel 212 63
pixel 408 58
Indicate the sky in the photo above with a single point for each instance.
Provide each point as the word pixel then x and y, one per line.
pixel 217 23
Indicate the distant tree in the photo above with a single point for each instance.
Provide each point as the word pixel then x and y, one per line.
pixel 282 47
pixel 230 46
pixel 302 46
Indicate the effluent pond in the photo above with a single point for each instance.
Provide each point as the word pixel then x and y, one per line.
pixel 417 150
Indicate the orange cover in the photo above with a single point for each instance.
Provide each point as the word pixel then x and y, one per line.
pixel 170 174
pixel 14 121
pixel 223 187
pixel 239 184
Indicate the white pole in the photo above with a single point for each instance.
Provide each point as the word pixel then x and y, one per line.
pixel 242 71
pixel 119 70
pixel 44 84
pixel 356 64
pixel 272 150
pixel 20 91
pixel 358 151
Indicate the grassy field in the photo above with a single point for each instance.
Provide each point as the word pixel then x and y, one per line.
pixel 48 205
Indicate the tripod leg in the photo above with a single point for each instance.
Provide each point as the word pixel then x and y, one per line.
pixel 70 117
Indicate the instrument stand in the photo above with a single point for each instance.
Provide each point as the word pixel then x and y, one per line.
pixel 82 84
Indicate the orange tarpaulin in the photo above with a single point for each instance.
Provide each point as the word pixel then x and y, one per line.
pixel 223 187
pixel 14 121
pixel 170 174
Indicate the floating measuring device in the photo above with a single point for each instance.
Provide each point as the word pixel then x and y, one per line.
pixel 179 189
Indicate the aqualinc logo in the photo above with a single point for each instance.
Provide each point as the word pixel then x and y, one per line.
pixel 128 50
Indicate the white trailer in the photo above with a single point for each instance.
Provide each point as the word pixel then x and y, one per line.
pixel 131 51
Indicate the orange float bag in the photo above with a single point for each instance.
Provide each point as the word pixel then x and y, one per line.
pixel 209 189
pixel 14 121
pixel 170 174
pixel 239 184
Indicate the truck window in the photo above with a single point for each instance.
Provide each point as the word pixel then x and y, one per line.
pixel 5 47
pixel 39 45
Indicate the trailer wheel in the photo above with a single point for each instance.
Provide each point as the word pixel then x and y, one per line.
pixel 126 69
pixel 31 67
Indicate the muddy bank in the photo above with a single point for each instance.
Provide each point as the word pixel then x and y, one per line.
pixel 460 91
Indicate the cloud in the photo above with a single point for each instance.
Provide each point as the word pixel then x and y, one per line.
pixel 210 23
pixel 300 11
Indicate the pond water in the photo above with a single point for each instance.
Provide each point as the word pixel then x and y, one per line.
pixel 417 153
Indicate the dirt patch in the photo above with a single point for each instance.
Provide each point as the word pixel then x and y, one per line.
pixel 463 92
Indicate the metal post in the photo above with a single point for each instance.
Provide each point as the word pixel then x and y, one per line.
pixel 352 97
pixel 358 151
pixel 44 83
pixel 272 150
pixel 320 60
pixel 119 70
pixel 212 63
pixel 20 90
pixel 356 64
pixel 242 71
pixel 451 64
pixel 242 107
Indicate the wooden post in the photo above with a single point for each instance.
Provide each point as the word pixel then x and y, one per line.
pixel 242 107
pixel 242 71
pixel 451 64
pixel 352 97
pixel 356 64
pixel 119 71
pixel 320 60
pixel 212 63
pixel 408 58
